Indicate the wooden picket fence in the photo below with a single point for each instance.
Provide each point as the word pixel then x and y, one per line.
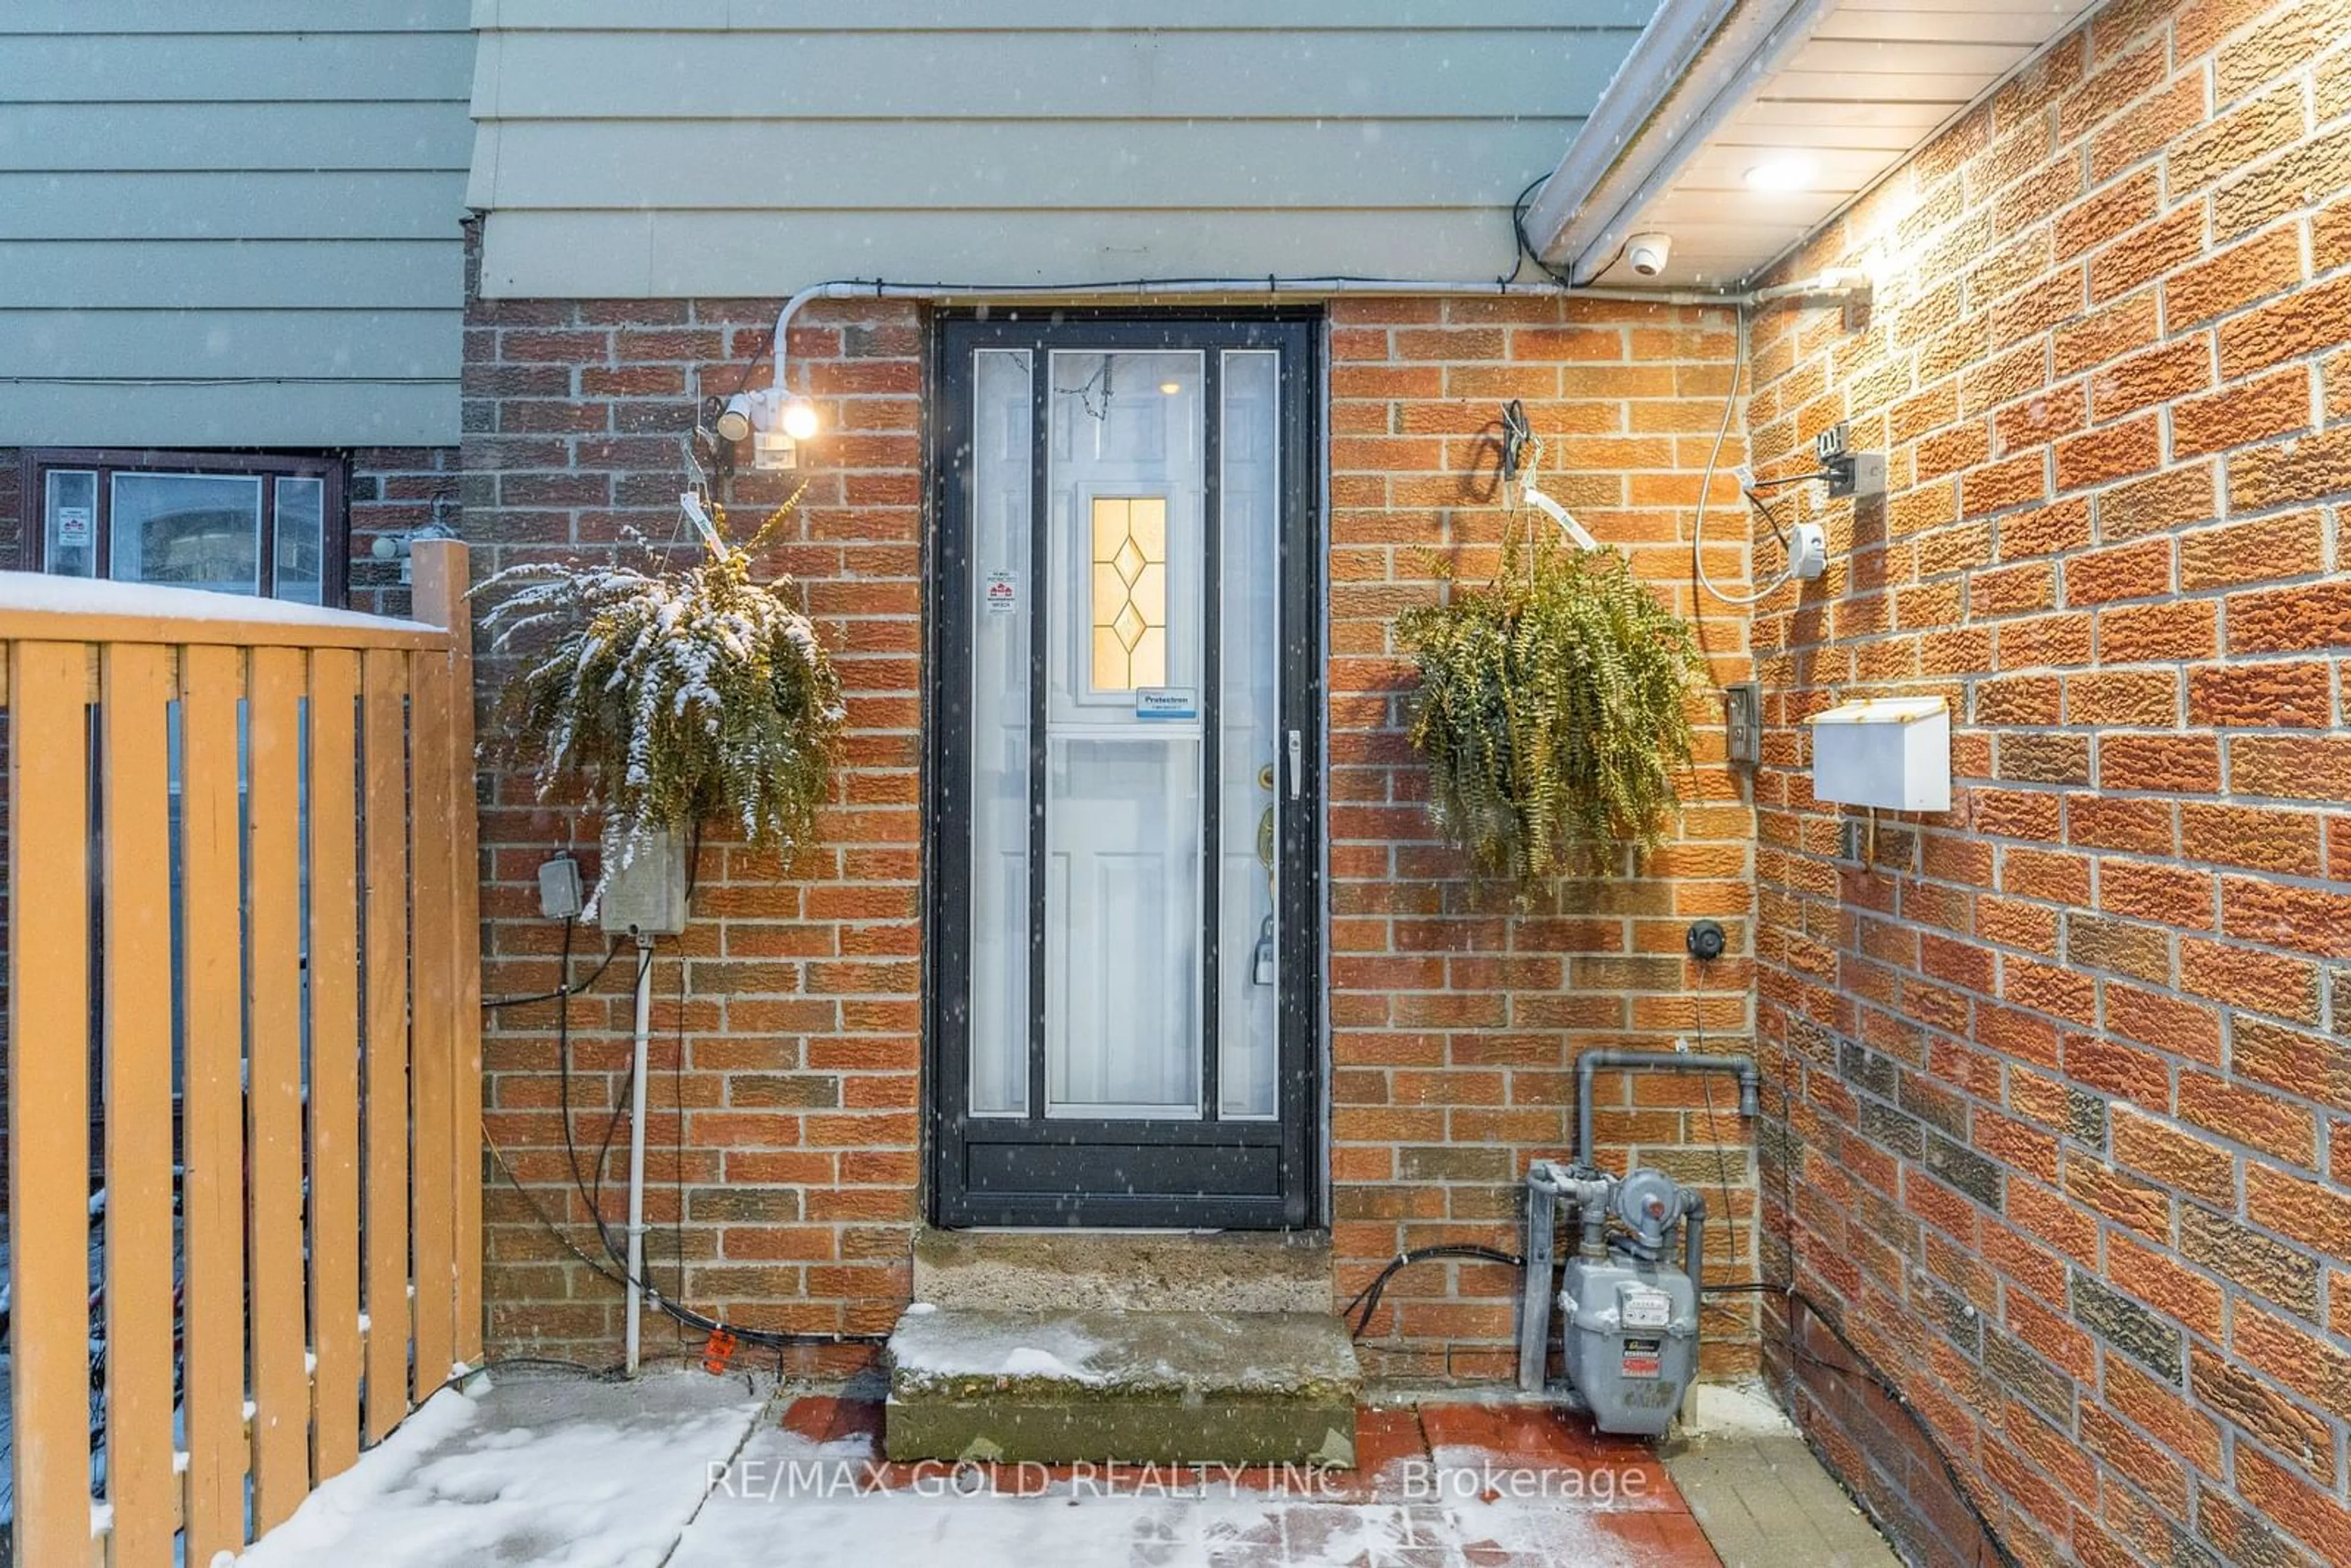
pixel 301 935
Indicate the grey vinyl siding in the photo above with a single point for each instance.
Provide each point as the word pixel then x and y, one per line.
pixel 233 222
pixel 748 147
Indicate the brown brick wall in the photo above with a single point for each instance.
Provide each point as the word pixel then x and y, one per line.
pixel 2069 1061
pixel 793 1116
pixel 1456 1020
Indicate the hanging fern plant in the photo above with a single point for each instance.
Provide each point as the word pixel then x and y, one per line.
pixel 673 697
pixel 1553 709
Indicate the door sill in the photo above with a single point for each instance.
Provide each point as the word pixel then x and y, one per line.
pixel 1025 1269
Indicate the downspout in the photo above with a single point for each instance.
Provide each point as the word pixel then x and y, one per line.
pixel 1593 1062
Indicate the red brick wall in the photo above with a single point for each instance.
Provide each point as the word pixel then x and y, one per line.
pixel 783 1163
pixel 387 492
pixel 2071 1091
pixel 1455 1021
pixel 792 1117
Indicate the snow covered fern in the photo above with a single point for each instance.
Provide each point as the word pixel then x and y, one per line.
pixel 676 697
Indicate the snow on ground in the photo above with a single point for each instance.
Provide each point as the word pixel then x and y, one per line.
pixel 789 1501
pixel 562 1474
pixel 1745 1408
pixel 688 1471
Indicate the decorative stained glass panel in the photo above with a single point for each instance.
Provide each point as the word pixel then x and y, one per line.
pixel 1129 592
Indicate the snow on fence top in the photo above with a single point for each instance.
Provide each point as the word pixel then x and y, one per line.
pixel 77 609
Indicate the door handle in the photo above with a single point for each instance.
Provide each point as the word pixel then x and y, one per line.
pixel 1297 765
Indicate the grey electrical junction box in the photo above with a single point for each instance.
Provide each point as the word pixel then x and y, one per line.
pixel 1860 474
pixel 644 886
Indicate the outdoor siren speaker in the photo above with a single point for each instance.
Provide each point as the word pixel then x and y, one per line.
pixel 1646 254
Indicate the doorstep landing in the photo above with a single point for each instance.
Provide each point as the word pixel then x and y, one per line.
pixel 1169 1386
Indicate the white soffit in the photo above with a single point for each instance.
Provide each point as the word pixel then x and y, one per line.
pixel 1846 89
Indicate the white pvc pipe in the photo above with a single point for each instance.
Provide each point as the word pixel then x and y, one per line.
pixel 1242 287
pixel 637 1147
pixel 1227 288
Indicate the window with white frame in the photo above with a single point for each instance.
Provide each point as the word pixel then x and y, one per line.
pixel 233 523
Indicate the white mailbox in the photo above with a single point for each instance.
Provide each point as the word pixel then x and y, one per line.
pixel 1893 752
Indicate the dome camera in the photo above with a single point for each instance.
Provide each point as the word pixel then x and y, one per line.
pixel 1646 254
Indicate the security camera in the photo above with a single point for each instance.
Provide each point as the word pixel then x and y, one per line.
pixel 1646 254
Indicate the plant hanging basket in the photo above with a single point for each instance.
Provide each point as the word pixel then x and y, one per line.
pixel 1553 712
pixel 671 697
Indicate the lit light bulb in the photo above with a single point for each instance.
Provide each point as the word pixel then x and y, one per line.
pixel 1782 171
pixel 1171 388
pixel 800 419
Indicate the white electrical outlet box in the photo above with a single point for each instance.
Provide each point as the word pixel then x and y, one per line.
pixel 644 886
pixel 1891 752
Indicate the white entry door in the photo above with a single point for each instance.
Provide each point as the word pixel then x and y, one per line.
pixel 1132 775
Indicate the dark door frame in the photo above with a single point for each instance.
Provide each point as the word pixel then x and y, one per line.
pixel 1066 1171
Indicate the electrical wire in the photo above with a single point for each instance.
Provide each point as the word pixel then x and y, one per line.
pixel 1713 459
pixel 490 1004
pixel 1713 1129
pixel 584 1370
pixel 616 1271
pixel 1772 516
pixel 604 1151
pixel 1526 251
pixel 1868 1371
pixel 677 1122
pixel 1615 256
pixel 1368 1297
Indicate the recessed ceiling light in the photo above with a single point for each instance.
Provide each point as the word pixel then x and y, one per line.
pixel 1781 171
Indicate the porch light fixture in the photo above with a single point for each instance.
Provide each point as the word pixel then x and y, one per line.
pixel 776 424
pixel 1782 173
pixel 733 422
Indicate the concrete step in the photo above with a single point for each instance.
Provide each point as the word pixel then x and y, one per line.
pixel 1162 1387
pixel 1136 1270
